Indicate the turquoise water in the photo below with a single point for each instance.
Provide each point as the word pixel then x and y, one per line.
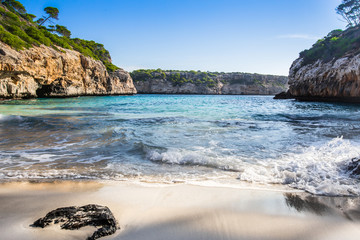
pixel 182 137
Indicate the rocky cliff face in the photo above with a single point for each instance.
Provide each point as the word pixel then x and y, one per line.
pixel 45 72
pixel 337 80
pixel 216 83
pixel 329 71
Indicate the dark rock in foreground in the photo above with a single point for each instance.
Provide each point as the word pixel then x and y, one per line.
pixel 72 218
pixel 284 95
pixel 354 167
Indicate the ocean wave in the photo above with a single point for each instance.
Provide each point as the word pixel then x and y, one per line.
pixel 161 120
pixel 287 117
pixel 205 157
pixel 5 118
pixel 319 170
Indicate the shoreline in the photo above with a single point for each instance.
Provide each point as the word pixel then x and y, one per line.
pixel 179 211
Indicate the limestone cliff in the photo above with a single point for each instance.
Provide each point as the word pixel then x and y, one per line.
pixel 337 80
pixel 329 71
pixel 191 82
pixel 42 71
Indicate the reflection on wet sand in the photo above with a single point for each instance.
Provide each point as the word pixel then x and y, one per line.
pixel 347 207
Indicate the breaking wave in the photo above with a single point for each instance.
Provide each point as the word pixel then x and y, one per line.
pixel 319 169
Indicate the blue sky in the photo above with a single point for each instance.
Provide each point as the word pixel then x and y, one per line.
pixel 256 36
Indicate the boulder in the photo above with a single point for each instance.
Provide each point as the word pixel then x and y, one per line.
pixel 77 217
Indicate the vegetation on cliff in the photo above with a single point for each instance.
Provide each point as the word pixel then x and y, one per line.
pixel 20 30
pixel 209 79
pixel 176 77
pixel 338 42
pixel 335 45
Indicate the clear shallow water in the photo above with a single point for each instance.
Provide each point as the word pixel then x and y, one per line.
pixel 182 137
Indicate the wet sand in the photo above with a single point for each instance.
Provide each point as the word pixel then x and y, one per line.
pixel 180 211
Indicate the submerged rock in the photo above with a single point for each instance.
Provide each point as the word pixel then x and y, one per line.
pixel 72 218
pixel 284 95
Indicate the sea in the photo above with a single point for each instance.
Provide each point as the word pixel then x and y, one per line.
pixel 183 138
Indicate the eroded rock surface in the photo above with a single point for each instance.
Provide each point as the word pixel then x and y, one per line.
pixel 77 217
pixel 45 72
pixel 338 80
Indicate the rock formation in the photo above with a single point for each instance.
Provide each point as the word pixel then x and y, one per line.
pixel 215 83
pixel 329 71
pixel 45 72
pixel 337 80
pixel 77 217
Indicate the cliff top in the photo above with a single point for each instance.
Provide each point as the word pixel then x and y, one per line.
pixel 178 77
pixel 336 44
pixel 20 30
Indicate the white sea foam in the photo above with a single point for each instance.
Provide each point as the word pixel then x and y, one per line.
pixel 317 169
pixel 4 118
pixel 200 156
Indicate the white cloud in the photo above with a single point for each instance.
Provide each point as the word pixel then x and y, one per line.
pixel 299 36
pixel 132 68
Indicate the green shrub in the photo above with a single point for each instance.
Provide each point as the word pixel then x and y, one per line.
pixel 84 51
pixel 335 45
pixel 29 17
pixel 176 77
pixel 97 50
pixel 2 11
pixel 36 34
pixel 110 67
pixel 25 33
pixel 145 74
pixel 59 41
pixel 15 30
pixel 12 40
pixel 12 16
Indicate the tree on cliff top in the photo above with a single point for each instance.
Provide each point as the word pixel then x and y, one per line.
pixel 350 11
pixel 63 31
pixel 52 13
pixel 14 5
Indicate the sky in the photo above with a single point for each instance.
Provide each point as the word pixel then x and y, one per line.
pixel 255 36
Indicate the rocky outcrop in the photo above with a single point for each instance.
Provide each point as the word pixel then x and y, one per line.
pixel 336 80
pixel 330 70
pixel 216 83
pixel 45 72
pixel 72 218
pixel 284 95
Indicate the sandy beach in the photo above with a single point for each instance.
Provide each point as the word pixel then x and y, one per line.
pixel 179 211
